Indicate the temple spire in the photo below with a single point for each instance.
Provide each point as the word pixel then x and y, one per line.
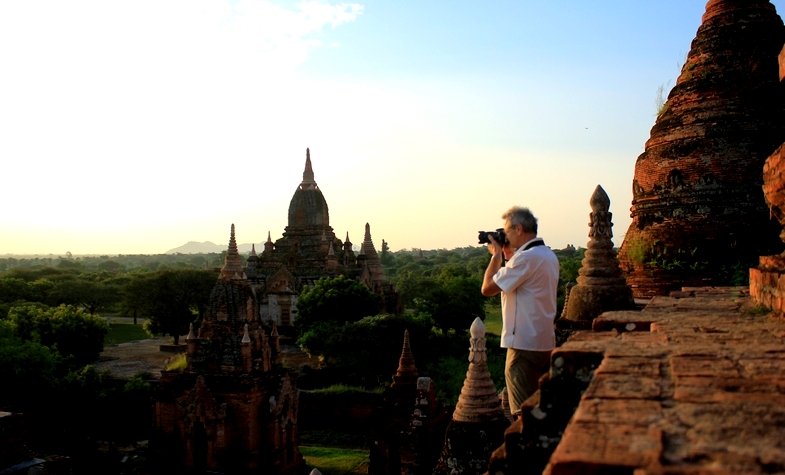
pixel 308 179
pixel 407 370
pixel 233 264
pixel 367 248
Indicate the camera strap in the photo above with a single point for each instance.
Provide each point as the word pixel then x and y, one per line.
pixel 535 243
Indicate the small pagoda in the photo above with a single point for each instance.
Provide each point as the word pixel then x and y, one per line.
pixel 601 285
pixel 478 421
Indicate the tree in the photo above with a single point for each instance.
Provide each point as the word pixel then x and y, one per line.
pixel 27 370
pixel 326 307
pixel 366 351
pixel 175 298
pixel 81 290
pixel 13 289
pixel 69 330
pixel 134 291
pixel 456 302
pixel 337 299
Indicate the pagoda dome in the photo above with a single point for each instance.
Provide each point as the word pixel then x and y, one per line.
pixel 308 207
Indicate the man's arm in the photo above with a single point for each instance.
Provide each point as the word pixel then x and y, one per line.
pixel 489 287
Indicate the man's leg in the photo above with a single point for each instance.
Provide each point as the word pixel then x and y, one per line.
pixel 522 372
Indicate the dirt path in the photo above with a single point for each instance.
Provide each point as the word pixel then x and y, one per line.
pixel 129 359
pixel 145 356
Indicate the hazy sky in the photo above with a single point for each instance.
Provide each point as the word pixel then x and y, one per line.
pixel 135 126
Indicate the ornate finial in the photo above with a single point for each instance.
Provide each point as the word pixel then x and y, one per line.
pixel 308 179
pixel 253 249
pixel 246 336
pixel 600 227
pixel 269 239
pixel 599 200
pixel 367 231
pixel 477 352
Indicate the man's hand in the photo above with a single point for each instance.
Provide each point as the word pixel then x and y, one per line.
pixel 494 248
pixel 504 250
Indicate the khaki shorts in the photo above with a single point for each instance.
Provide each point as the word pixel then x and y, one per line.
pixel 522 372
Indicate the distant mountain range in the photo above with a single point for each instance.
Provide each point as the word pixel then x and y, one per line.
pixel 207 247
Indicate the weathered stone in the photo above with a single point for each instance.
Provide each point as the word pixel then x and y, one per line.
pixel 716 406
pixel 638 412
pixel 233 409
pixel 601 285
pixel 698 213
pixel 478 421
pixel 767 280
pixel 593 448
pixel 408 428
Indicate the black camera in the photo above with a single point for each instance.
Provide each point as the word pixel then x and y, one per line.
pixel 498 235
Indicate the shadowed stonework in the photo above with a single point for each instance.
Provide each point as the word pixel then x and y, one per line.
pixel 767 280
pixel 233 409
pixel 698 213
pixel 478 422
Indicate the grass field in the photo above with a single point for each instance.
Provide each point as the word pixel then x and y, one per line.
pixel 336 461
pixel 123 333
pixel 493 319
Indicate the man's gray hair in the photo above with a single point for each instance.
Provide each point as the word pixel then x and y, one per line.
pixel 522 216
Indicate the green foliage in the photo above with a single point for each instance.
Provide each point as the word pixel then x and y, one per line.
pixel 93 405
pixel 493 318
pixel 453 302
pixel 336 461
pixel 443 284
pixel 174 299
pixel 365 352
pixel 638 249
pixel 570 260
pixel 70 331
pixel 661 100
pixel 125 332
pixel 343 389
pixel 177 363
pixel 335 300
pixel 28 370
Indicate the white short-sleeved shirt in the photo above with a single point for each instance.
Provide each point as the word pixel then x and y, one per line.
pixel 529 281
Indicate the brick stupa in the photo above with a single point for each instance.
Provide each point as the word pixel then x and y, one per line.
pixel 698 213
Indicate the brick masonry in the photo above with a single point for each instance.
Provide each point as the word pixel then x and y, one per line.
pixel 696 387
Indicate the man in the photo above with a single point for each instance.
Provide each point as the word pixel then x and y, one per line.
pixel 528 284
